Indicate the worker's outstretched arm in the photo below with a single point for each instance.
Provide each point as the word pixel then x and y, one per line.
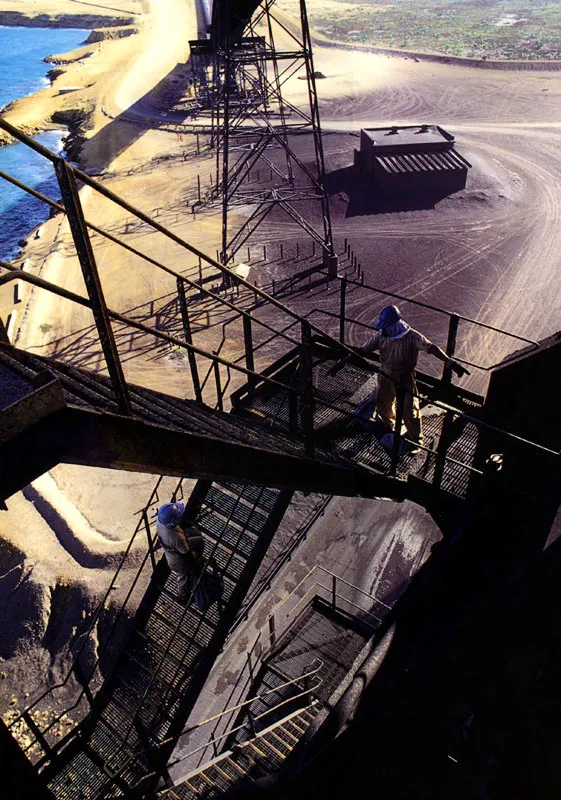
pixel 455 366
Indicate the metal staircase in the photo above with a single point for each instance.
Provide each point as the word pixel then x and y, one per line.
pixel 314 653
pixel 255 757
pixel 123 745
pixel 74 418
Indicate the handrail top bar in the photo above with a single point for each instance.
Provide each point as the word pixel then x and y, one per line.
pixel 426 305
pixel 352 585
pixel 232 730
pixel 256 718
pixel 53 157
pixel 304 675
pixel 308 575
pixel 14 273
pixel 17 274
pixel 200 288
pixel 362 324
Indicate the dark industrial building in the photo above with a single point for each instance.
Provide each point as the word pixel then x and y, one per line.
pixel 419 158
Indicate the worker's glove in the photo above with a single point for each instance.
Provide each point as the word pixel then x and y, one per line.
pixel 458 368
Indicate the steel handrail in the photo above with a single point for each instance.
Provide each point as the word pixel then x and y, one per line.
pixel 17 274
pixel 473 364
pixel 429 306
pixel 333 575
pixel 352 585
pixel 54 158
pixel 334 594
pixel 445 407
pixel 238 707
pixel 255 719
pixel 280 722
pixel 192 283
pixel 268 578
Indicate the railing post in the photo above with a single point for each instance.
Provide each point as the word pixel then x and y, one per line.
pixel 79 230
pixel 214 747
pixel 342 310
pixel 201 276
pixel 189 339
pixel 251 722
pixel 216 366
pixel 250 667
pixel 450 346
pixel 150 544
pixel 334 593
pixel 400 402
pixel 292 412
pixel 248 340
pixel 307 389
pixel 441 449
pixel 272 633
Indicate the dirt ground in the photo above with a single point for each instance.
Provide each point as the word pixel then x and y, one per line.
pixel 491 252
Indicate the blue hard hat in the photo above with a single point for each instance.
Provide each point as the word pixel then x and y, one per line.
pixel 170 513
pixel 389 315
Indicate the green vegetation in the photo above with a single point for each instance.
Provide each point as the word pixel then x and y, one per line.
pixel 45 327
pixel 494 29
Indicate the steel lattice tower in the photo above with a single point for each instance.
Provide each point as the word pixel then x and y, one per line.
pixel 253 123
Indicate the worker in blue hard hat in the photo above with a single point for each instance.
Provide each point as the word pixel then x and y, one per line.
pixel 399 346
pixel 183 546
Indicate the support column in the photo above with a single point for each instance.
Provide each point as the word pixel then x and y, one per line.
pixel 86 258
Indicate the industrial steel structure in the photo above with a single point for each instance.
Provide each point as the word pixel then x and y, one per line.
pixel 240 73
pixel 293 384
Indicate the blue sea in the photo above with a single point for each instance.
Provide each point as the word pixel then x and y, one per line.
pixel 22 72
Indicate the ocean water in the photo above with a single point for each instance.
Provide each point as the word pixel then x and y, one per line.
pixel 22 72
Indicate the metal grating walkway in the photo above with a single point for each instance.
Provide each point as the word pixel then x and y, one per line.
pixel 337 392
pixel 146 700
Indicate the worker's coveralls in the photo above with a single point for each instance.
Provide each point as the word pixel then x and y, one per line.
pixel 183 551
pixel 398 359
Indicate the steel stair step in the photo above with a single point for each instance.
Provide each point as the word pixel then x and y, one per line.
pixel 227 506
pixel 257 498
pixel 146 709
pixel 229 565
pixel 80 389
pixel 209 421
pixel 296 726
pixel 265 498
pixel 16 366
pixel 276 753
pixel 183 652
pixel 150 657
pixel 188 620
pixel 239 542
pixel 169 590
pixel 158 629
pixel 282 744
pixel 218 777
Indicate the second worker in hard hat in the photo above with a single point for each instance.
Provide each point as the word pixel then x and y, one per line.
pixel 399 346
pixel 183 546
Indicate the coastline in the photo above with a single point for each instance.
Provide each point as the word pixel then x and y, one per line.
pixel 19 19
